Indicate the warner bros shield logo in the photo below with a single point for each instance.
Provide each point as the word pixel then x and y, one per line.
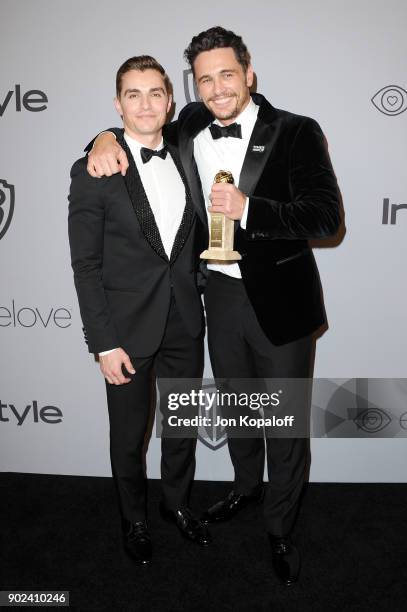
pixel 190 90
pixel 213 436
pixel 6 206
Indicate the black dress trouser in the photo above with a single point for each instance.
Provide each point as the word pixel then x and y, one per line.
pixel 239 349
pixel 129 406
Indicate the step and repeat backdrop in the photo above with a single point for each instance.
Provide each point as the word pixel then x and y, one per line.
pixel 342 63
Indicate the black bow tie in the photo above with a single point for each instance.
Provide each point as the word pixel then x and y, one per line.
pixel 147 154
pixel 233 131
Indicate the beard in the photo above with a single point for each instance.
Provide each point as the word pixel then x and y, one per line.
pixel 227 113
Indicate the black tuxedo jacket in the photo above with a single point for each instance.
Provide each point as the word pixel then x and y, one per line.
pixel 122 274
pixel 293 197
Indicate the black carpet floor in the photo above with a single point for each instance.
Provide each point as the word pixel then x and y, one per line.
pixel 63 533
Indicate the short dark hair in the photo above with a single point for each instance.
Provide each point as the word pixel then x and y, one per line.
pixel 217 38
pixel 141 62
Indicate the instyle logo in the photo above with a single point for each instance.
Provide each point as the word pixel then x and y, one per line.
pixel 6 206
pixel 33 100
pixel 9 413
pixel 389 213
pixel 390 100
pixel 190 90
pixel 31 316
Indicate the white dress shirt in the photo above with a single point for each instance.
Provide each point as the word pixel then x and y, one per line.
pixel 165 192
pixel 164 189
pixel 224 154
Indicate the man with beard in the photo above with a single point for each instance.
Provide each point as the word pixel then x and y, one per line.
pixel 262 311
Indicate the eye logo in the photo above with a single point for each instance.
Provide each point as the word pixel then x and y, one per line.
pixel 6 206
pixel 391 100
pixel 190 90
pixel 372 420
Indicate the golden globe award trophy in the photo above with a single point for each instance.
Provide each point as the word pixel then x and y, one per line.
pixel 221 230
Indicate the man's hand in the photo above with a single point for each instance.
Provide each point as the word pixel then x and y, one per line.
pixel 227 199
pixel 111 366
pixel 107 157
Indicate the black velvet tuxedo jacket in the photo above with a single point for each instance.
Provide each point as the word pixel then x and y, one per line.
pixel 122 274
pixel 293 197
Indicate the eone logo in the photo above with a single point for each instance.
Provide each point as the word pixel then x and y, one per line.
pixel 33 100
pixel 6 206
pixel 46 414
pixel 393 208
pixel 29 317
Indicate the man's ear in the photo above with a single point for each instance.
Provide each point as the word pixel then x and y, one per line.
pixel 118 106
pixel 249 75
pixel 169 103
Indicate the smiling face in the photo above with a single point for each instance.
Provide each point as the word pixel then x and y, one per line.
pixel 143 103
pixel 223 84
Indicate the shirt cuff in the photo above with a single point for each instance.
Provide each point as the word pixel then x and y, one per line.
pixel 243 220
pixel 103 353
pixel 105 132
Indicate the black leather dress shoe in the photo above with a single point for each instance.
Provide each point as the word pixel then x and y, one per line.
pixel 227 508
pixel 190 527
pixel 137 542
pixel 286 559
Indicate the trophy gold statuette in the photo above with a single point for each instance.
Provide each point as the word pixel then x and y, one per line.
pixel 221 230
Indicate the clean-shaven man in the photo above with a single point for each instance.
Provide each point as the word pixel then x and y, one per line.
pixel 262 311
pixel 134 256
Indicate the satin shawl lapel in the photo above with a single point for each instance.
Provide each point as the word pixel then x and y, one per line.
pixel 188 129
pixel 261 144
pixel 141 204
pixel 189 212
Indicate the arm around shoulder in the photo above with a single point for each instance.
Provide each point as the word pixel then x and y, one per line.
pixel 114 131
pixel 106 157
